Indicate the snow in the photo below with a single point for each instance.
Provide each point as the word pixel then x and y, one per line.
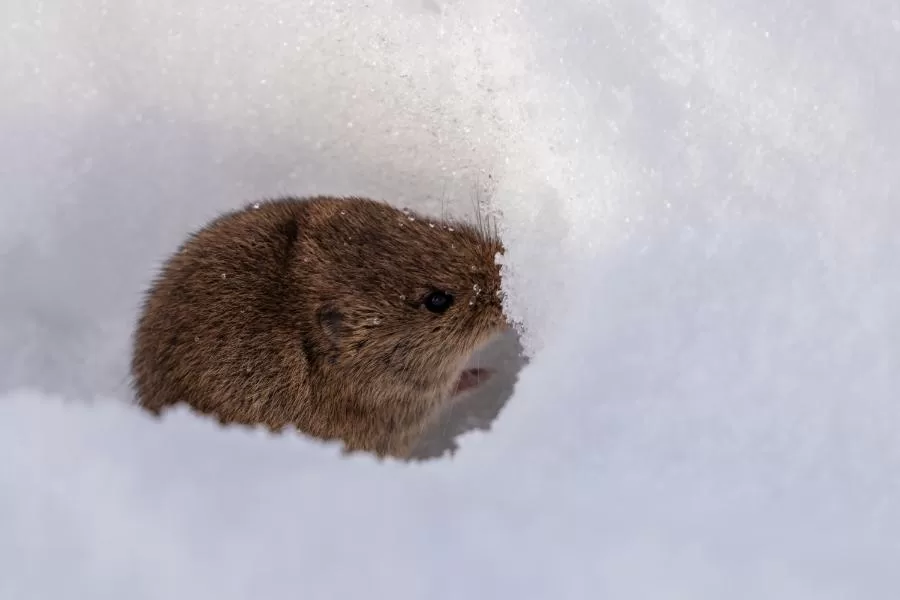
pixel 699 204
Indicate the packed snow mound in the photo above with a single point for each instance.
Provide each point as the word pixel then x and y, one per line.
pixel 699 204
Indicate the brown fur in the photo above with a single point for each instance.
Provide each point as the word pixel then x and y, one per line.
pixel 309 313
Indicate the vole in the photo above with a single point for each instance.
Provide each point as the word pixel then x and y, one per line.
pixel 344 317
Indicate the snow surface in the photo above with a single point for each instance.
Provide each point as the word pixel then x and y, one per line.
pixel 699 201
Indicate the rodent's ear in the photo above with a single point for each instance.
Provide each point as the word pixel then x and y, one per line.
pixel 332 322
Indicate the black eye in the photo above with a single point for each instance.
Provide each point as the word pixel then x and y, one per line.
pixel 438 302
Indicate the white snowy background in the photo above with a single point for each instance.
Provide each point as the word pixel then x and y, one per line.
pixel 700 204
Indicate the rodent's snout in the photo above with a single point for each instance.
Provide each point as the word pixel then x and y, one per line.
pixel 494 301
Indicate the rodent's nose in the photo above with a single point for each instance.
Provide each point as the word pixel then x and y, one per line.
pixel 496 304
pixel 497 297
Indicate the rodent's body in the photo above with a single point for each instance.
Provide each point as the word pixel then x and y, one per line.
pixel 320 314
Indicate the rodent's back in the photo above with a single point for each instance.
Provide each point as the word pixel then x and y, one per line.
pixel 219 308
pixel 309 312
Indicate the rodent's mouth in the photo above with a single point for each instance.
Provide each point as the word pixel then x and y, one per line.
pixel 471 379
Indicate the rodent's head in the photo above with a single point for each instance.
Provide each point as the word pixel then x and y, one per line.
pixel 399 292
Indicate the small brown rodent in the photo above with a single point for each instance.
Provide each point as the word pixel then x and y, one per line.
pixel 344 317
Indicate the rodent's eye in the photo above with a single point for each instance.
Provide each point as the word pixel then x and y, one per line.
pixel 438 302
